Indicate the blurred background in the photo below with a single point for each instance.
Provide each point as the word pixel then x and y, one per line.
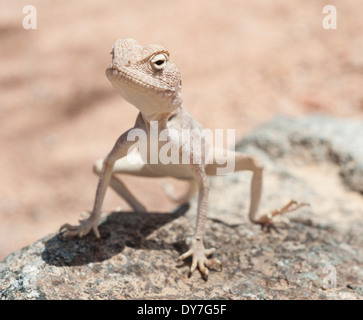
pixel 242 63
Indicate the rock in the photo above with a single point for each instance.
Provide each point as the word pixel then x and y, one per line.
pixel 315 138
pixel 318 255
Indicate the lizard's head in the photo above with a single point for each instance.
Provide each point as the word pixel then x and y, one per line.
pixel 145 77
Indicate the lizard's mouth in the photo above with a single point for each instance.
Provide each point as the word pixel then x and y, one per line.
pixel 116 73
pixel 112 70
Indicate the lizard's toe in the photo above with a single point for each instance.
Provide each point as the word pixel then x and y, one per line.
pixel 84 227
pixel 200 258
pixel 267 222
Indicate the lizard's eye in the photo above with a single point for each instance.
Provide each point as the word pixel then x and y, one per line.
pixel 158 61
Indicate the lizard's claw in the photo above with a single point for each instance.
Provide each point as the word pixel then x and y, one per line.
pixel 199 258
pixel 266 220
pixel 84 227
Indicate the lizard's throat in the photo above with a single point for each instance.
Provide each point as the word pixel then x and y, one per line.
pixel 152 105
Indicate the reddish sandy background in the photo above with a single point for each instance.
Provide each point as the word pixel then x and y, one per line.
pixel 242 62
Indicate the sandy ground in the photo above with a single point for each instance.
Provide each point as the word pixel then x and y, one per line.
pixel 242 62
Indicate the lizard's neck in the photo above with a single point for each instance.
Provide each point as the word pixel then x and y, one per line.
pixel 161 118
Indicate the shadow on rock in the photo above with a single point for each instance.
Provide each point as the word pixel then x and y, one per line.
pixel 118 229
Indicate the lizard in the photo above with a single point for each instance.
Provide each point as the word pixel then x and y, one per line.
pixel 146 77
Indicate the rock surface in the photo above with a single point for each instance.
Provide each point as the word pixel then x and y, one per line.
pixel 314 159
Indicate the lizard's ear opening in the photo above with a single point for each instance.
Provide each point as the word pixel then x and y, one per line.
pixel 158 61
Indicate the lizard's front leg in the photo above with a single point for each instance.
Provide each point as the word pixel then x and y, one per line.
pixel 197 250
pixel 119 150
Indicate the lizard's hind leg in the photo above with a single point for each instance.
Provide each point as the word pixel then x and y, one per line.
pixel 250 163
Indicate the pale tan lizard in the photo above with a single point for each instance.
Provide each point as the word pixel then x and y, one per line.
pixel 147 78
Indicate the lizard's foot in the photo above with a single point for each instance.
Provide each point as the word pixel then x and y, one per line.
pixel 266 220
pixel 199 258
pixel 84 227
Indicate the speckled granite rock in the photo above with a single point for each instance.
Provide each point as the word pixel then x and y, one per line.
pixel 136 257
pixel 315 138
